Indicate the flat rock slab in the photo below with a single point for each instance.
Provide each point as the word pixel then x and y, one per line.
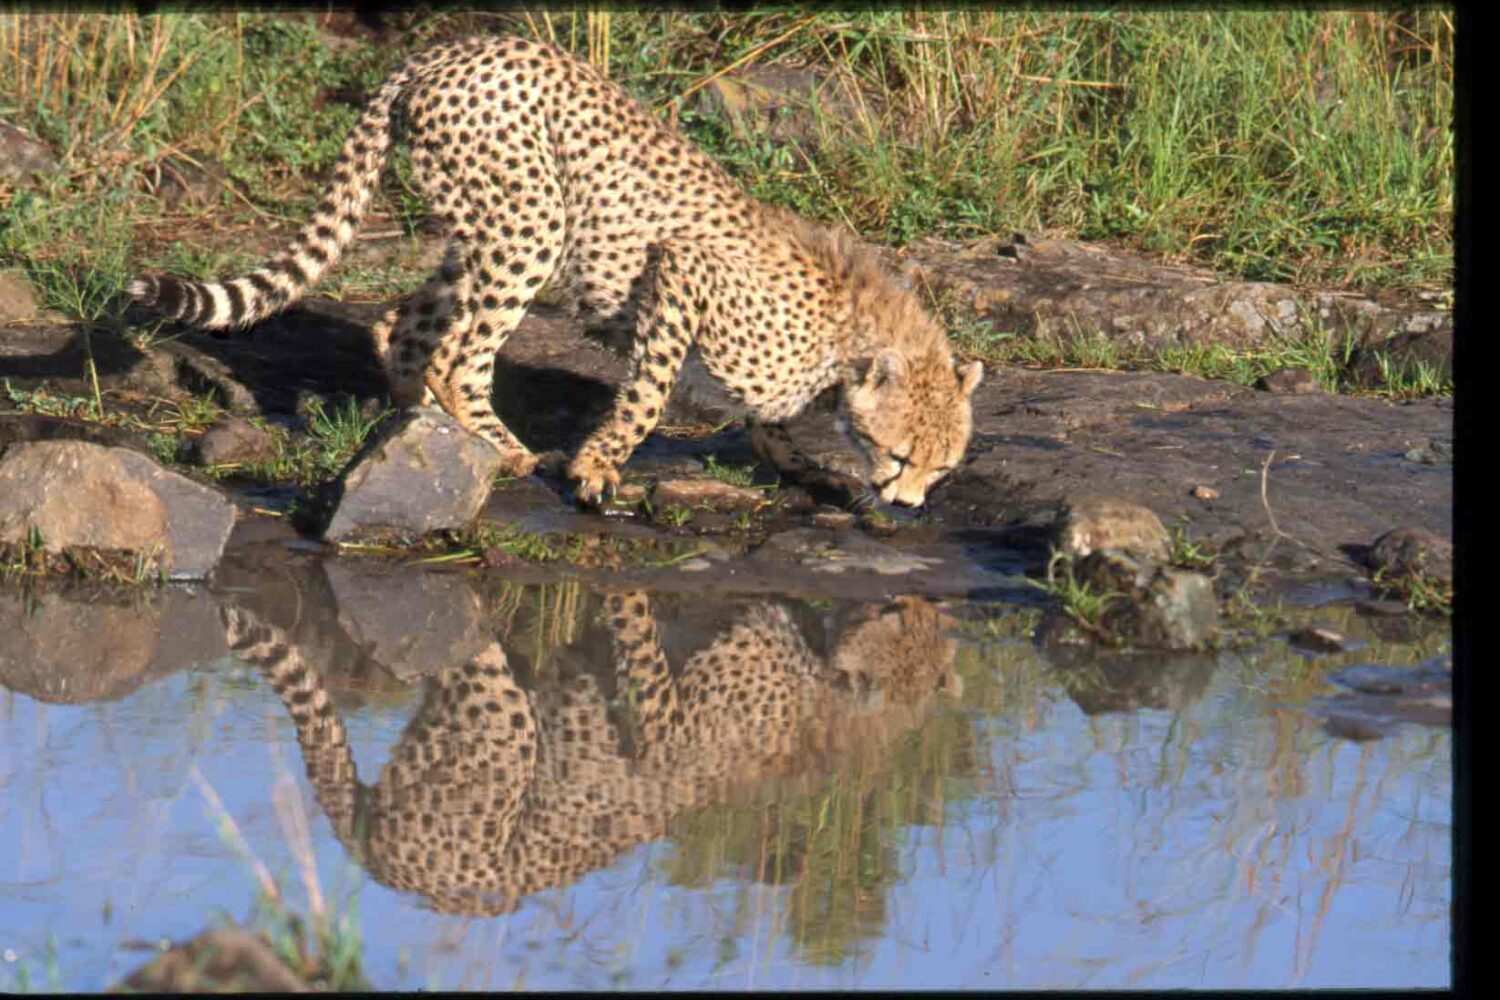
pixel 78 494
pixel 1337 476
pixel 424 473
pixel 1054 288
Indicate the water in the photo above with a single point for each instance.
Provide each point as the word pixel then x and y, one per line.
pixel 949 805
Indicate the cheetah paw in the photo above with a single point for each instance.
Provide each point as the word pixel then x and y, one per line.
pixel 518 463
pixel 593 476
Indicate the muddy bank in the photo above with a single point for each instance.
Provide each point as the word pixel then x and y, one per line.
pixel 1274 486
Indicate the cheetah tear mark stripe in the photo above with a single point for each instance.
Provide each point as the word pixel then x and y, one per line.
pixel 286 277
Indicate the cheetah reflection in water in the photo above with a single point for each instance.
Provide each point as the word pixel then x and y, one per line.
pixel 497 790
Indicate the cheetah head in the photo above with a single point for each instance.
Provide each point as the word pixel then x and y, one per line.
pixel 910 419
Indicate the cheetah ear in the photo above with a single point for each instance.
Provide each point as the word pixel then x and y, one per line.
pixel 969 376
pixel 888 367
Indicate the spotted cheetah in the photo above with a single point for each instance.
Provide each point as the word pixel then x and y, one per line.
pixel 544 172
pixel 496 790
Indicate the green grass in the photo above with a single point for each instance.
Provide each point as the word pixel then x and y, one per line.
pixel 1078 599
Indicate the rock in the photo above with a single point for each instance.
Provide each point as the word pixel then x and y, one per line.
pixel 1428 346
pixel 1049 289
pixel 1296 381
pixel 709 493
pixel 1405 552
pixel 426 473
pixel 1381 697
pixel 834 520
pixel 86 495
pixel 217 961
pixel 1156 607
pixel 234 441
pixel 22 156
pixel 1435 452
pixel 1382 609
pixel 1091 524
pixel 1205 493
pixel 1317 640
pixel 412 623
pixel 17 300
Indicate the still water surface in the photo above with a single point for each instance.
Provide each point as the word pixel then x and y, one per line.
pixel 908 795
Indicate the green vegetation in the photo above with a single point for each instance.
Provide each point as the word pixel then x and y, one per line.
pixel 1078 599
pixel 1422 592
pixel 29 560
pixel 1302 145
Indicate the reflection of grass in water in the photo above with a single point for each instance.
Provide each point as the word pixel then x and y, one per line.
pixel 538 619
pixel 834 848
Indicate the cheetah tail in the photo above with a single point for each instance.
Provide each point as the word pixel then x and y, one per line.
pixel 280 281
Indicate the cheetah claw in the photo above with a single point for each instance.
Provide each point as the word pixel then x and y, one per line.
pixel 595 481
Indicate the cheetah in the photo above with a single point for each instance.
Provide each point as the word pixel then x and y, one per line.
pixel 498 790
pixel 543 172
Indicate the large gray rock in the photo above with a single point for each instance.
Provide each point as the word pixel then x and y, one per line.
pixel 426 474
pixel 79 494
pixel 1054 288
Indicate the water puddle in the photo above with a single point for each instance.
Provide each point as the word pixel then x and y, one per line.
pixel 551 785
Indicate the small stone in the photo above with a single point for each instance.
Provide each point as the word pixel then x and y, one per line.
pixel 426 473
pixel 1318 640
pixel 234 441
pixel 1205 493
pixel 697 565
pixel 710 493
pixel 17 300
pixel 836 520
pixel 1409 551
pixel 1434 452
pixel 1092 524
pixel 1156 607
pixel 878 524
pixel 1292 381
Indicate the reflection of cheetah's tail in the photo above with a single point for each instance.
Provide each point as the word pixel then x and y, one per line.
pixel 283 279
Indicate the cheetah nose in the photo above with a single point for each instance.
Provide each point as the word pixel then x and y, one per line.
pixel 894 494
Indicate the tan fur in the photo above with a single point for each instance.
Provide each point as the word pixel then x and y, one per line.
pixel 546 173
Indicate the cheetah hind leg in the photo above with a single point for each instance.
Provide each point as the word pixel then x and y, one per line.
pixel 460 372
pixel 402 351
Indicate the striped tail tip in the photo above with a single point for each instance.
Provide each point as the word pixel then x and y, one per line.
pixel 162 295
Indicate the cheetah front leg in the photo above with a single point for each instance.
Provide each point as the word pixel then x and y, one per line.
pixel 668 325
